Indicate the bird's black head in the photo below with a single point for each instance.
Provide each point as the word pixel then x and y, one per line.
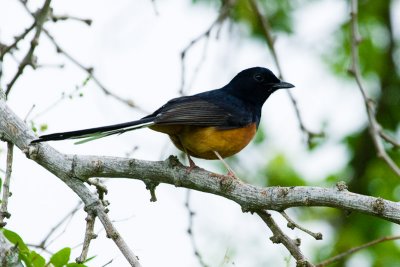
pixel 255 85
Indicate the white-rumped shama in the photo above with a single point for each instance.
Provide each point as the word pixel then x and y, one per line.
pixel 219 121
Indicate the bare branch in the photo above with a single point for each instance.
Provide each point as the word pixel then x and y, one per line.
pixel 40 19
pixel 374 127
pixel 389 139
pixel 292 224
pixel 191 214
pixel 355 249
pixel 6 186
pixel 100 187
pixel 88 70
pixel 279 237
pixel 17 39
pixel 44 244
pixel 151 186
pixel 116 237
pixel 266 28
pixel 56 18
pixel 89 235
pixel 15 129
pixel 29 112
pixel 153 3
pixel 223 14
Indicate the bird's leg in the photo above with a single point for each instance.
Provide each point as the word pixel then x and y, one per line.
pixel 192 165
pixel 231 173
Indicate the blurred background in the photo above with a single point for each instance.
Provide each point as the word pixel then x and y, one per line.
pixel 134 48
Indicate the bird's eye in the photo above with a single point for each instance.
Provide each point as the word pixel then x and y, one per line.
pixel 258 77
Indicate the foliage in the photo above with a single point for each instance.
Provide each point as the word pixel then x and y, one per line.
pixel 32 259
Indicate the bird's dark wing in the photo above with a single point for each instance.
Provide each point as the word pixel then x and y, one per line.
pixel 191 111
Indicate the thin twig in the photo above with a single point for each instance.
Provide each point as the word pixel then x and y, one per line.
pixel 374 127
pixel 116 237
pixel 389 139
pixel 56 18
pixel 29 112
pixel 69 95
pixel 292 224
pixel 191 214
pixel 17 39
pixel 6 186
pixel 41 248
pixel 197 67
pixel 100 187
pixel 44 244
pixel 89 236
pixel 355 249
pixel 40 19
pixel 266 28
pixel 279 237
pixel 108 263
pixel 153 3
pixel 223 14
pixel 88 70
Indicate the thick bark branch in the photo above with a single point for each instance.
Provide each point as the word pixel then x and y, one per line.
pixel 171 171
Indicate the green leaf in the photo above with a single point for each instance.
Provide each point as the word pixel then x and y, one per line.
pixel 15 239
pixel 61 257
pixel 43 127
pixel 36 260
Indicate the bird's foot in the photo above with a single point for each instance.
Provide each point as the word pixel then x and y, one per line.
pixel 230 173
pixel 192 165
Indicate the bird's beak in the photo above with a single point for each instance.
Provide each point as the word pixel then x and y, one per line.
pixel 282 85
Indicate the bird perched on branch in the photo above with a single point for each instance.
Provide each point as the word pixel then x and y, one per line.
pixel 209 125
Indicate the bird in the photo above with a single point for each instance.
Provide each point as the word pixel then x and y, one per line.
pixel 210 125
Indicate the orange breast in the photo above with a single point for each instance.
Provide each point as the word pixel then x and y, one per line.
pixel 201 142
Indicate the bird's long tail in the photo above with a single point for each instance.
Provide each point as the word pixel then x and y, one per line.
pixel 98 132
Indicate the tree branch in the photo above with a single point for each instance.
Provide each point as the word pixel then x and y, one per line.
pixel 223 14
pixel 266 29
pixel 40 19
pixel 44 243
pixel 191 214
pixel 292 224
pixel 280 237
pixel 20 135
pixel 389 139
pixel 17 39
pixel 6 186
pixel 374 127
pixel 171 171
pixel 87 69
pixel 89 236
pixel 355 249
